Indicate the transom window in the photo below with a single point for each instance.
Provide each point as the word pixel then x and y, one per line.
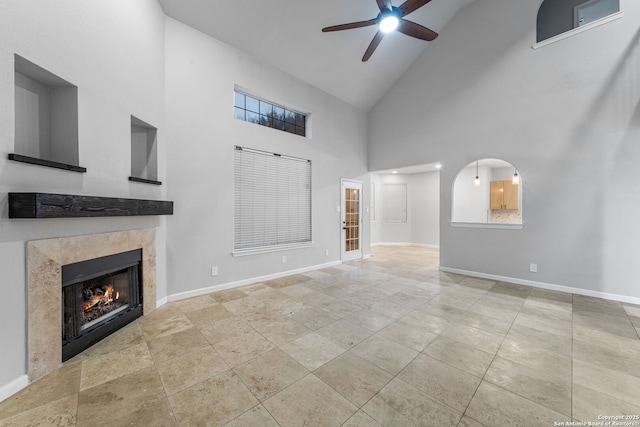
pixel 265 113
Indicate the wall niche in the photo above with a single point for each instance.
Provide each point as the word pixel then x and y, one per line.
pixel 46 118
pixel 144 152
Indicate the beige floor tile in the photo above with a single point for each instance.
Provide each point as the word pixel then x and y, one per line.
pixel 622 357
pixel 445 311
pixel 616 325
pixel 537 385
pixel 391 309
pixel 228 295
pixel 455 299
pixel 107 367
pixel 191 368
pixel 478 338
pixel 459 355
pixel 61 412
pixel 414 337
pixel 441 382
pixel 312 350
pixel 338 308
pixel 511 289
pixel 270 373
pixel 170 346
pixel 309 402
pixel 160 326
pixel 62 382
pixel 110 403
pixel 484 322
pixel 469 422
pixel 344 333
pixel 400 404
pixel 361 419
pixel 206 315
pixel 254 417
pixel 560 310
pixel 283 331
pixel 494 406
pixel 588 404
pixel 550 296
pixel 242 305
pixel 195 303
pixel 314 298
pixel 495 310
pixel 477 283
pixel 243 347
pixel 313 318
pixel 369 319
pixel 613 383
pixel 384 353
pixel 427 321
pixel 544 323
pixel 213 402
pixel 353 377
pixel 128 336
pixel 224 329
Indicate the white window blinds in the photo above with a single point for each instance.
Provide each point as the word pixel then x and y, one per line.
pixel 272 200
pixel 394 203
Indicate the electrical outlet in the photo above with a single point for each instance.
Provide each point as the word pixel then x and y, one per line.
pixel 533 268
pixel 214 270
pixel 284 259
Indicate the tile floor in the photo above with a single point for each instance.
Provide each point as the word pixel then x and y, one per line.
pixel 388 341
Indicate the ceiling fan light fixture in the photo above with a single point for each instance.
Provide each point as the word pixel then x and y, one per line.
pixel 388 22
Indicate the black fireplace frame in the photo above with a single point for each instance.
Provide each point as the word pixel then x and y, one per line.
pixel 86 270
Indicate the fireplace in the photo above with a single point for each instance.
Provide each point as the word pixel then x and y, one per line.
pixel 99 296
pixel 46 260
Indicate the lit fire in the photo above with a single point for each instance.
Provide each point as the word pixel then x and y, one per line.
pixel 103 299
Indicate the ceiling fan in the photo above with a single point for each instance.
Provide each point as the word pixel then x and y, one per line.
pixel 389 19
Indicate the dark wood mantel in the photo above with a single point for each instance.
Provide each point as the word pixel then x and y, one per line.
pixel 45 205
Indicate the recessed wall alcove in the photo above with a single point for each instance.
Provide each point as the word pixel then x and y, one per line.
pixel 45 259
pixel 46 118
pixel 144 152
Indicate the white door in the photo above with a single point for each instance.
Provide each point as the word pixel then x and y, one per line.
pixel 351 220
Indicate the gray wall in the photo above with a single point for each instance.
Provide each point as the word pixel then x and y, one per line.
pixel 202 133
pixel 567 115
pixel 423 210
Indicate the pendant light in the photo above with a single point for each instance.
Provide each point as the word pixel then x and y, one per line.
pixel 476 182
pixel 516 178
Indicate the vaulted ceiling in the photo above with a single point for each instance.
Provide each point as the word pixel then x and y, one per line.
pixel 287 35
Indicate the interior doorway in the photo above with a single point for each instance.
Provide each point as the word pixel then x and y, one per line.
pixel 351 220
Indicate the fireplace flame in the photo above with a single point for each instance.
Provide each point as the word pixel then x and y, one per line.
pixel 103 299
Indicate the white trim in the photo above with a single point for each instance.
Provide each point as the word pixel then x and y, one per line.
pixel 231 285
pixel 11 388
pixel 573 32
pixel 161 302
pixel 542 285
pixel 487 225
pixel 423 245
pixel 367 256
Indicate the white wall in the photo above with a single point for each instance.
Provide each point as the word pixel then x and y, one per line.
pixel 567 115
pixel 470 203
pixel 423 210
pixel 113 50
pixel 201 131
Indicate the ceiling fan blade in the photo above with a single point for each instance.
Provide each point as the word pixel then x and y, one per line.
pixel 410 5
pixel 350 25
pixel 416 30
pixel 373 45
pixel 384 5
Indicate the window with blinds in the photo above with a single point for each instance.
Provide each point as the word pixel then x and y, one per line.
pixel 394 203
pixel 272 201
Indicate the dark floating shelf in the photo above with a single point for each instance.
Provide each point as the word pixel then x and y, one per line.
pixel 44 205
pixel 145 181
pixel 48 163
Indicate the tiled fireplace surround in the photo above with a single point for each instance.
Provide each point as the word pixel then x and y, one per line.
pixel 45 259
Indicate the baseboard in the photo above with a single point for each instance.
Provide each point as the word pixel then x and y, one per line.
pixel 543 285
pixel 13 387
pixel 423 245
pixel 161 302
pixel 231 285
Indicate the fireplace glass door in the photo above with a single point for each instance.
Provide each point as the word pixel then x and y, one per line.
pixel 98 297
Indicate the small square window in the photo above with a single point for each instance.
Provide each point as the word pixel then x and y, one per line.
pixel 253 104
pixel 239 113
pixel 239 100
pixel 253 117
pixel 266 108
